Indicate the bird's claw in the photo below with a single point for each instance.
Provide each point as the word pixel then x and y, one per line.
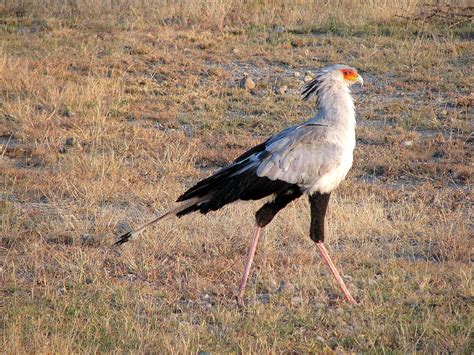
pixel 240 301
pixel 352 301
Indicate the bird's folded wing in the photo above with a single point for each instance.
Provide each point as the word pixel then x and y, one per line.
pixel 301 156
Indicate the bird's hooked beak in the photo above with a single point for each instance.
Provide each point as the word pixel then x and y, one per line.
pixel 359 80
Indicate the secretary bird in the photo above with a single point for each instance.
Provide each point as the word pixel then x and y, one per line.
pixel 311 158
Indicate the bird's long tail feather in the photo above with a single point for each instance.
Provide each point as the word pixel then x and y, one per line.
pixel 181 207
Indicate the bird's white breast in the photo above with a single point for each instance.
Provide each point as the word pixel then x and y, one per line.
pixel 331 179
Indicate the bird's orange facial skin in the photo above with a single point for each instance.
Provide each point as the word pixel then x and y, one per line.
pixel 349 74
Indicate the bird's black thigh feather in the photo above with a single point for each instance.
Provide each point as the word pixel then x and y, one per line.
pixel 266 213
pixel 318 204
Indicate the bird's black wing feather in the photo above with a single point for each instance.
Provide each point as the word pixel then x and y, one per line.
pixel 238 181
pixel 202 187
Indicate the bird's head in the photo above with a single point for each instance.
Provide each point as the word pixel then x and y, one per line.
pixel 337 75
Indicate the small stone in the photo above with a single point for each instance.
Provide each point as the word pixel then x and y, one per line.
pixel 280 29
pixel 282 90
pixel 407 143
pixel 297 74
pixel 247 83
pixel 308 78
pixel 235 51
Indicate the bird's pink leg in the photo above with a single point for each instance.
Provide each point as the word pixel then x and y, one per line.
pixel 332 267
pixel 248 264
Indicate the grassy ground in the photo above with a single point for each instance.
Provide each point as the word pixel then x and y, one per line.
pixel 107 113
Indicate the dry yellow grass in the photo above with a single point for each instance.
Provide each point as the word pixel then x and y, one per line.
pixel 110 109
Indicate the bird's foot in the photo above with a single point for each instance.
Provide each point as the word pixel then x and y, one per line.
pixel 351 300
pixel 240 301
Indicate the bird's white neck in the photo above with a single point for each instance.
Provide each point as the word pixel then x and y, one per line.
pixel 336 107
